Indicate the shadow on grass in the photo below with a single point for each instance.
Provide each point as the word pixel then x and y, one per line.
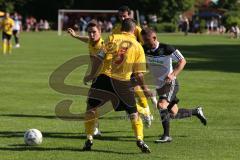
pixel 105 137
pixel 29 116
pixel 55 117
pixel 224 58
pixel 21 148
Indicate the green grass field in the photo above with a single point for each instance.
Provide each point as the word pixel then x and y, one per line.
pixel 211 79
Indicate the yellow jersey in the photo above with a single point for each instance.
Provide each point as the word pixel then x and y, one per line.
pixel 94 48
pixel 124 55
pixel 7 25
pixel 137 32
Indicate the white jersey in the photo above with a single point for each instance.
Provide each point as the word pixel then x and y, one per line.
pixel 160 61
pixel 17 24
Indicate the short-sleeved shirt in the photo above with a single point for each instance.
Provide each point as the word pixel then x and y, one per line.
pixel 137 33
pixel 7 25
pixel 94 48
pixel 124 55
pixel 160 61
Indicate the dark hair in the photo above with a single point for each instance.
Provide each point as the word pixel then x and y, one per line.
pixel 128 25
pixel 125 9
pixel 147 31
pixel 93 23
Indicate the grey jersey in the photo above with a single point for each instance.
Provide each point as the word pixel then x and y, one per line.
pixel 160 61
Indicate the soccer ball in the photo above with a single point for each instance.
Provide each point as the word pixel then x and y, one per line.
pixel 32 137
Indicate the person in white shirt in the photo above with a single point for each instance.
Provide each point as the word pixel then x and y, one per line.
pixel 160 59
pixel 16 29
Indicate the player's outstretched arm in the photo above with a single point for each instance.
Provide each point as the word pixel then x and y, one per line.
pixel 74 35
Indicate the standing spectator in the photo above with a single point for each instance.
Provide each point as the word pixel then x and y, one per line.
pixel 16 29
pixel 46 25
pixel 82 25
pixel 186 26
pixel 28 24
pixel 41 25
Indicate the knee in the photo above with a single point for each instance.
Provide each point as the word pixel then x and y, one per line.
pixel 174 111
pixel 162 104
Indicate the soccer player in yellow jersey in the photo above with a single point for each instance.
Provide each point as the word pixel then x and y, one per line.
pixel 121 57
pixel 95 44
pixel 124 12
pixel 7 27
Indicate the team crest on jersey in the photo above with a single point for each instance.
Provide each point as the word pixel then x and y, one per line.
pixel 123 48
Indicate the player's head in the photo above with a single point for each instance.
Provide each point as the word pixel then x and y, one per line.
pixel 124 12
pixel 149 37
pixel 128 25
pixel 94 30
pixel 7 15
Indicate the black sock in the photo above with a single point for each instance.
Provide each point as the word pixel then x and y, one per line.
pixel 185 113
pixel 165 116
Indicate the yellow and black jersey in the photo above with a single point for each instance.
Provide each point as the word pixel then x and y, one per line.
pixel 7 25
pixel 94 48
pixel 124 55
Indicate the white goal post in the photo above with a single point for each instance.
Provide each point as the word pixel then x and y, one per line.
pixel 63 12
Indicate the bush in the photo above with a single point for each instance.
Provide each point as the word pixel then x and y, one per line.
pixel 202 26
pixel 164 27
pixel 232 18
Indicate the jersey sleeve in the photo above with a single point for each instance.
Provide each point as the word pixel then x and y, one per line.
pixel 177 55
pixel 138 35
pixel 140 61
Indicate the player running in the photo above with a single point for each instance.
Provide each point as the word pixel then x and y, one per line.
pixel 124 12
pixel 122 56
pixel 95 44
pixel 159 59
pixel 7 27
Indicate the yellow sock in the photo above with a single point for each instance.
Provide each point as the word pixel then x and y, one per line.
pixel 90 121
pixel 140 109
pixel 4 47
pixel 9 48
pixel 137 127
pixel 141 97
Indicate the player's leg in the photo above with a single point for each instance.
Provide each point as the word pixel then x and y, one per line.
pixel 142 106
pixel 165 117
pixel 9 44
pixel 93 102
pixel 167 93
pixel 16 38
pixel 185 113
pixel 127 101
pixel 4 42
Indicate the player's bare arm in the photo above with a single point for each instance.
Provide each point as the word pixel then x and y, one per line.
pixel 74 35
pixel 179 67
pixel 96 65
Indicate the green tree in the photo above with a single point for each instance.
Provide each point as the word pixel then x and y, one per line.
pixel 167 10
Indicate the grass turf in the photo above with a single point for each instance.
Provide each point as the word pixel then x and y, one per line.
pixel 210 79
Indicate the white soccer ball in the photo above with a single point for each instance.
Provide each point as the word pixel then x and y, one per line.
pixel 33 137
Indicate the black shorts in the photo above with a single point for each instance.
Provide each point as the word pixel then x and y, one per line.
pixel 6 36
pixel 169 92
pixel 15 32
pixel 105 89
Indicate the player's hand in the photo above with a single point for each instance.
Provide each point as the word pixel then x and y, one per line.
pixel 72 32
pixel 87 79
pixel 148 93
pixel 170 78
